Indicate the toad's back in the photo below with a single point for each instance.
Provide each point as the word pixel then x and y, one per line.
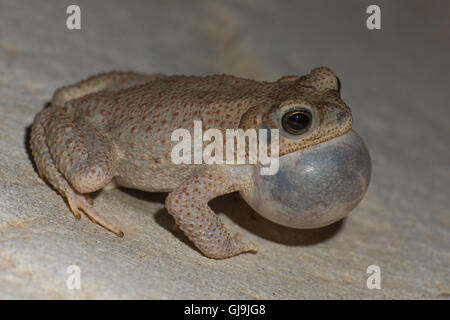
pixel 139 119
pixel 169 102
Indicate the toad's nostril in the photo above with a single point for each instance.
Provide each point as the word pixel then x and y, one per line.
pixel 340 116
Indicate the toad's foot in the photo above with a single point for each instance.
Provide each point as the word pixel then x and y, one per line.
pixel 242 245
pixel 82 202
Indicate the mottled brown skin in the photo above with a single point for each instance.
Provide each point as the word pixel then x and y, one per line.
pixel 116 127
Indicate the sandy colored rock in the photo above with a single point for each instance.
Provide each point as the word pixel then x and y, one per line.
pixel 395 81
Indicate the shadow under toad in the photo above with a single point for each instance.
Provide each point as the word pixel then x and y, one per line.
pixel 235 208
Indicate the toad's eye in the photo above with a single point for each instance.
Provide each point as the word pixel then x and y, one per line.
pixel 297 121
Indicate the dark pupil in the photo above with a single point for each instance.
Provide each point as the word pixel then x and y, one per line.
pixel 298 121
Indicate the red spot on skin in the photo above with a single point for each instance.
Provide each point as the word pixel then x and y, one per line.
pixel 149 129
pixel 102 111
pixel 164 122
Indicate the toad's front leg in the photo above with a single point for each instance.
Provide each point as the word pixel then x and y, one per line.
pixel 188 204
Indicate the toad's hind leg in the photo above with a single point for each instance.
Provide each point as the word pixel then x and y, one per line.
pixel 64 155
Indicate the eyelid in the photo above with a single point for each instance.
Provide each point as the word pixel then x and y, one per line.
pixel 300 108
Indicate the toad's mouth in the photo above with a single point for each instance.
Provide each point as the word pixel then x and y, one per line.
pixel 316 186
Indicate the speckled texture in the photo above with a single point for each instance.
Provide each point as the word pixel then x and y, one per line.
pixel 395 81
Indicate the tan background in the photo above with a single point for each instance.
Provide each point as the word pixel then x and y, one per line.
pixel 395 80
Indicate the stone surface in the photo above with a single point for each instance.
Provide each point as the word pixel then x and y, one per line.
pixel 395 80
